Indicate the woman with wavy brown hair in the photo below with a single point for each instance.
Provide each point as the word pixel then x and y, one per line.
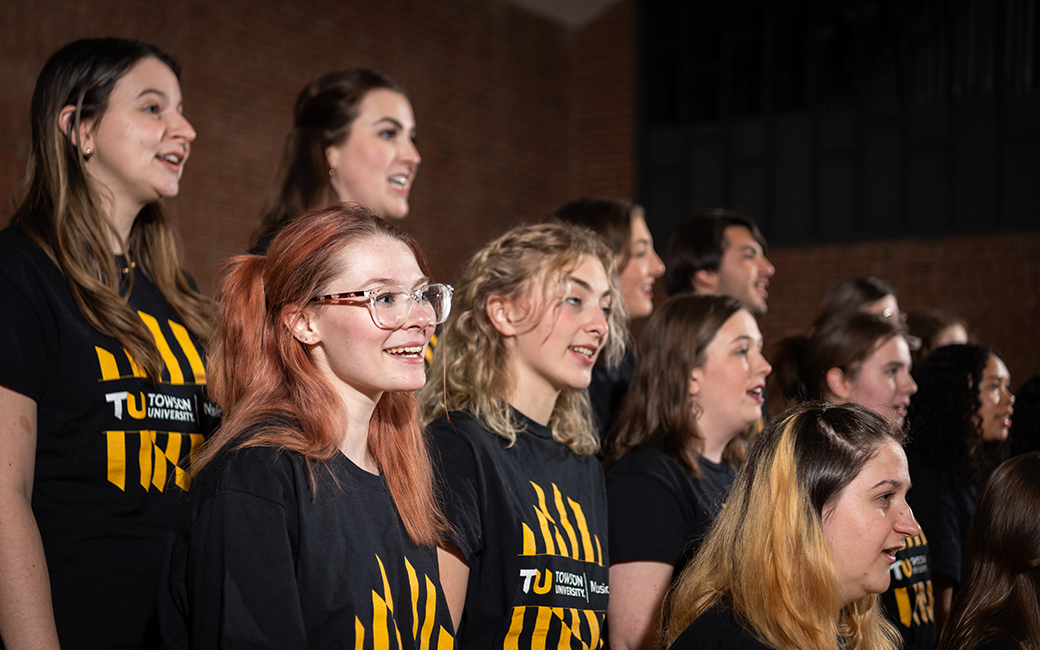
pixel 353 140
pixel 809 532
pixel 102 377
pixel 998 605
pixel 311 520
pixel 526 564
pixel 695 398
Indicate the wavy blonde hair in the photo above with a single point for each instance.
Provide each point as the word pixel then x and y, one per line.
pixel 472 371
pixel 767 556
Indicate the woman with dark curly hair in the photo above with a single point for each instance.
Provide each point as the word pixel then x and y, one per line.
pixel 999 606
pixel 959 421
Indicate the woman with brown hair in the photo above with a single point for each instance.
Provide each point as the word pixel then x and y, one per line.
pixel 311 520
pixel 102 377
pixel 998 605
pixel 674 452
pixel 353 140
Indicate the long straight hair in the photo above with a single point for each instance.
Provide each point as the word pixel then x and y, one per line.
pixel 658 410
pixel 1000 595
pixel 473 371
pixel 61 209
pixel 767 554
pixel 269 387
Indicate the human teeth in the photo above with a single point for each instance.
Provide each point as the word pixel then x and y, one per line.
pixel 757 390
pixel 588 352
pixel 171 158
pixel 417 349
pixel 399 181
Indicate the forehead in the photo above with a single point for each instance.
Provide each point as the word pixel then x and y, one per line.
pixel 738 237
pixel 376 259
pixel 590 272
pixel 995 368
pixel 381 103
pixel 639 229
pixel 887 464
pixel 740 324
pixel 147 74
pixel 892 349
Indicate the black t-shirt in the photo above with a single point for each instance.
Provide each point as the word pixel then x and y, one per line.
pixel 262 560
pixel 944 511
pixel 909 603
pixel 530 520
pixel 607 391
pixel 658 511
pixel 717 629
pixel 107 444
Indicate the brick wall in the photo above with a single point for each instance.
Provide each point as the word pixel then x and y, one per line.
pixel 515 115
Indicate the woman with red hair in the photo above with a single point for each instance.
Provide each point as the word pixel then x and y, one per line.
pixel 311 519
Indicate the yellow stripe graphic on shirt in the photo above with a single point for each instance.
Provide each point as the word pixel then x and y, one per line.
pixel 194 358
pixel 176 376
pixel 384 630
pixel 565 624
pixel 569 517
pixel 153 460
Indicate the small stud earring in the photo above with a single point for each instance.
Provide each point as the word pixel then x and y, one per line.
pixel 332 171
pixel 87 153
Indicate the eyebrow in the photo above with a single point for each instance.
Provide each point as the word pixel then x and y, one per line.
pixel 895 483
pixel 390 282
pixel 585 285
pixel 392 121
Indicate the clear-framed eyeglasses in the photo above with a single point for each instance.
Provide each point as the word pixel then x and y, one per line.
pixel 390 306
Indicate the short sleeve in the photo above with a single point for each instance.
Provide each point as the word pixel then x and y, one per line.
pixel 645 518
pixel 460 487
pixel 238 562
pixel 28 336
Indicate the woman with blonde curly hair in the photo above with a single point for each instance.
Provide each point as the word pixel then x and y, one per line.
pixel 805 543
pixel 513 431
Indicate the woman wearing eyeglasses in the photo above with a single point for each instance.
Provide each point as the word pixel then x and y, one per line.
pixel 526 563
pixel 311 519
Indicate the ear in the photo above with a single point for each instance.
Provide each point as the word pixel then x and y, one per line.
pixel 696 379
pixel 66 122
pixel 500 313
pixel 302 325
pixel 838 383
pixel 706 282
pixel 332 155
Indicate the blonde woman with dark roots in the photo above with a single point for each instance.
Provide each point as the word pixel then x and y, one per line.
pixel 805 543
pixel 102 377
pixel 523 491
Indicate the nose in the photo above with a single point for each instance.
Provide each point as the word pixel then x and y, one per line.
pixel 765 368
pixel 408 152
pixel 417 314
pixel 181 128
pixel 656 265
pixel 911 386
pixel 907 524
pixel 597 323
pixel 766 268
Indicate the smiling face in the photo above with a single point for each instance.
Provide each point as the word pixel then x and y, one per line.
pixel 359 358
pixel 882 382
pixel 997 400
pixel 729 387
pixel 377 162
pixel 643 267
pixel 868 522
pixel 141 142
pixel 557 351
pixel 744 270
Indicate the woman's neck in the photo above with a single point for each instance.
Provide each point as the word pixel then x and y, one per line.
pixel 355 427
